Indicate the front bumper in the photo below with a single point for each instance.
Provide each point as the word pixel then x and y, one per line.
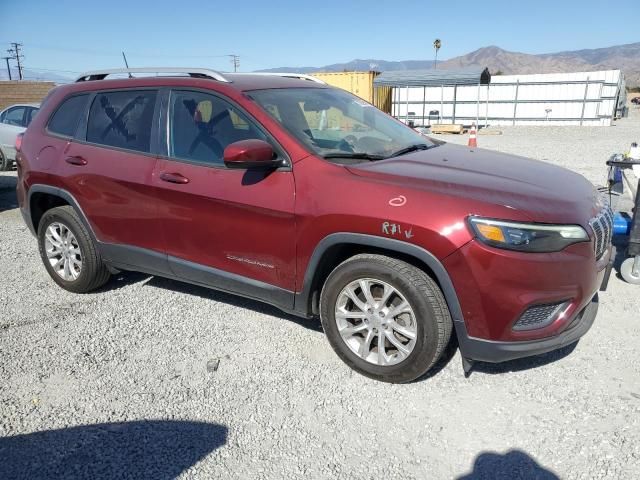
pixel 494 289
pixel 496 351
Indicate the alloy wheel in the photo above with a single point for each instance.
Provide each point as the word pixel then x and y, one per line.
pixel 63 251
pixel 376 321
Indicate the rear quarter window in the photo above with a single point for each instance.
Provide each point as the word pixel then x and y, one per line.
pixel 122 119
pixel 66 118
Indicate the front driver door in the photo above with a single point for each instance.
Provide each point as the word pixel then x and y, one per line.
pixel 231 229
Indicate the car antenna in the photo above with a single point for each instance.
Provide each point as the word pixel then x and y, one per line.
pixel 126 64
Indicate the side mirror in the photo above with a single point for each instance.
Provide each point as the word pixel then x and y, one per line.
pixel 252 153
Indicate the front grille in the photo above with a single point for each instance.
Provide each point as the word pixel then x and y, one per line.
pixel 539 316
pixel 602 226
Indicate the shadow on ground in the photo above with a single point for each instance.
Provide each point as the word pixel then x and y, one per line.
pixel 235 300
pixel 144 449
pixel 524 363
pixel 121 280
pixel 513 465
pixel 8 200
pixel 124 279
pixel 447 355
pixel 498 368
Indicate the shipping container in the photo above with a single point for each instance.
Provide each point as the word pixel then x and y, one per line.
pixel 360 84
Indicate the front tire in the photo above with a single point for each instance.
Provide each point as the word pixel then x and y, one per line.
pixel 68 251
pixel 385 318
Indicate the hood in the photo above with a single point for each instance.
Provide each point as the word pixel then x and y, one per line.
pixel 538 190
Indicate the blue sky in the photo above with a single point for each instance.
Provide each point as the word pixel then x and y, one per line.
pixel 74 36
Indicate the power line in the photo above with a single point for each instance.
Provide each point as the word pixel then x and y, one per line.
pixel 116 53
pixel 52 70
pixel 17 56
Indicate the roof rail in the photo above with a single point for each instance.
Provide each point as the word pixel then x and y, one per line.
pixel 192 72
pixel 301 76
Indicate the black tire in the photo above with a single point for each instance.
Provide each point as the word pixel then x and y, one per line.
pixel 433 320
pixel 93 273
pixel 5 163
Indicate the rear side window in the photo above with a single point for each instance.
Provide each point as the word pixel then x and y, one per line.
pixel 122 119
pixel 65 120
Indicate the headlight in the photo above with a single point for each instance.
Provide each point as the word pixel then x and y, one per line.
pixel 526 237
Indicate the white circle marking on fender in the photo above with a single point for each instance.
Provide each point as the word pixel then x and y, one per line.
pixel 398 201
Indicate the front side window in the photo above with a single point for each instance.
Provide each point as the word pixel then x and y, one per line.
pixel 202 125
pixel 14 116
pixel 66 118
pixel 335 124
pixel 122 119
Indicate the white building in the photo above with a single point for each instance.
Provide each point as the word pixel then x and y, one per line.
pixel 580 98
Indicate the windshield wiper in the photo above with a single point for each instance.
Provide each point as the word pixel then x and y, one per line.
pixel 357 155
pixel 410 148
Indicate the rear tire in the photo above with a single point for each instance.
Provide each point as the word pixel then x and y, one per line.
pixel 5 163
pixel 413 324
pixel 69 253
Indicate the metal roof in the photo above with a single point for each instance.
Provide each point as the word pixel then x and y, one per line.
pixel 430 78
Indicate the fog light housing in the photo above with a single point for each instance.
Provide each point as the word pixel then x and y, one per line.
pixel 540 316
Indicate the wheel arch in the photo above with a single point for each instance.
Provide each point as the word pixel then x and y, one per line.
pixel 337 247
pixel 45 197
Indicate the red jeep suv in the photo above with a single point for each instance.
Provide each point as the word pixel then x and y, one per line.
pixel 285 190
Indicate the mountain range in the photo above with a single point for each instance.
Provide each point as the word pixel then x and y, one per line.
pixel 30 74
pixel 624 57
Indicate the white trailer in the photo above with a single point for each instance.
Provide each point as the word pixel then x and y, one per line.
pixel 580 98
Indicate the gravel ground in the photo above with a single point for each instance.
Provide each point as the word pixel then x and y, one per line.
pixel 582 149
pixel 157 379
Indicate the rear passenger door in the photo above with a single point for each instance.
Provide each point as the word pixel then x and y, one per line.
pixel 108 168
pixel 218 220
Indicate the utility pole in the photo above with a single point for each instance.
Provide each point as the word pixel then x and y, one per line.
pixel 8 67
pixel 17 56
pixel 235 60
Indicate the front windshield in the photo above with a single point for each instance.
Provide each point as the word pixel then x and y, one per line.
pixel 336 124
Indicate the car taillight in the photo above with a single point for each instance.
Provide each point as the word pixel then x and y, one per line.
pixel 18 144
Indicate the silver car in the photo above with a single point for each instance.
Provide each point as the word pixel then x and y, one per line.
pixel 13 120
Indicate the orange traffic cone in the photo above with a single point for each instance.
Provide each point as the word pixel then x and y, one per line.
pixel 473 143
